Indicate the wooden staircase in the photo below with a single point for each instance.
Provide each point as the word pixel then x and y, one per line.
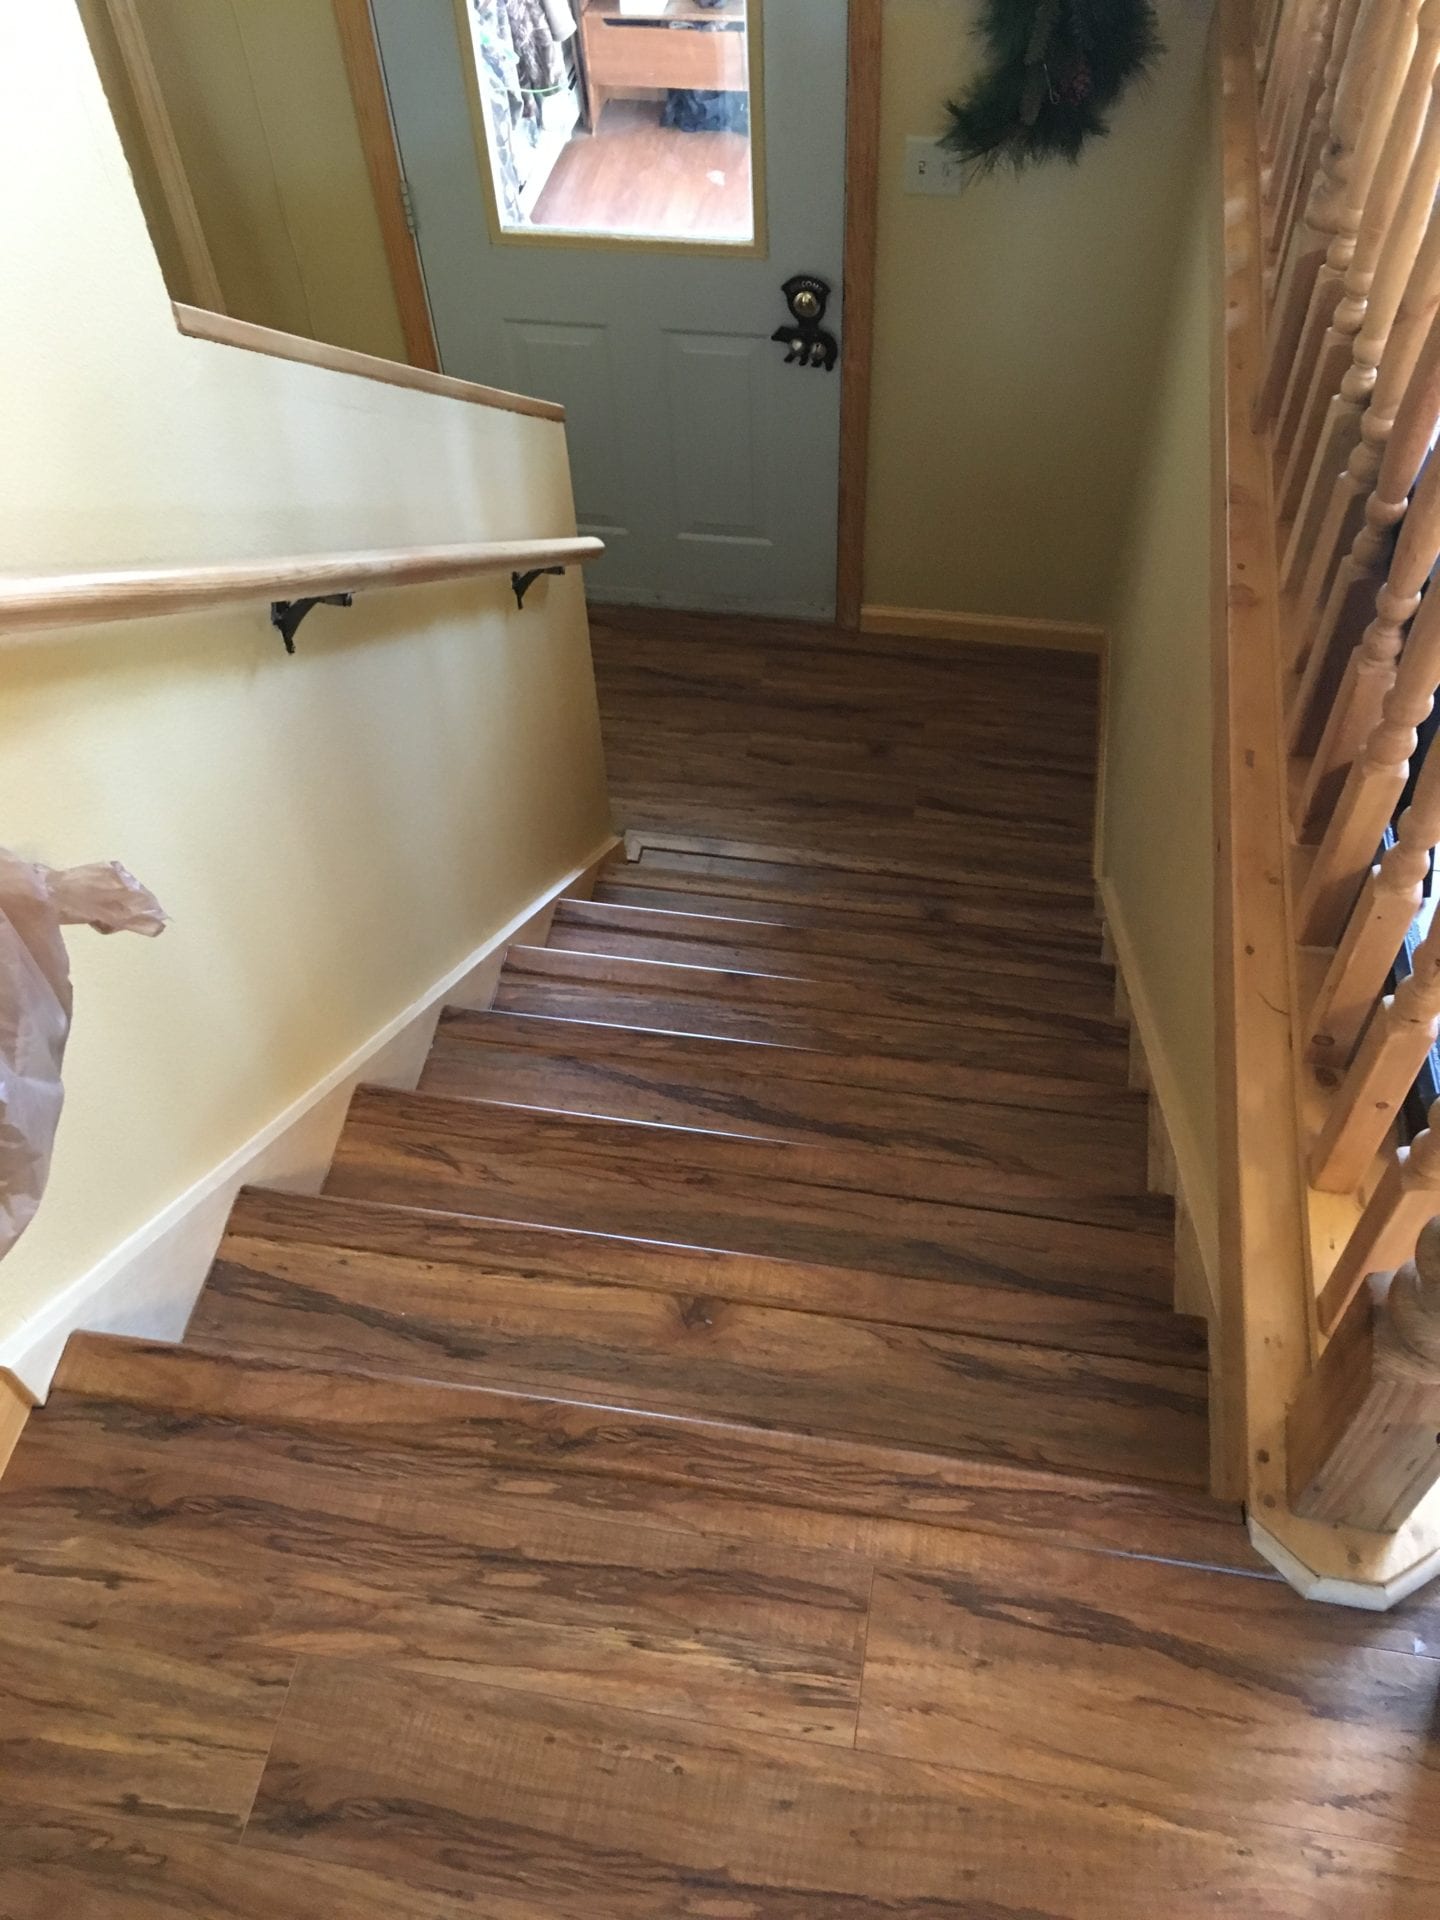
pixel 658 1177
pixel 687 1449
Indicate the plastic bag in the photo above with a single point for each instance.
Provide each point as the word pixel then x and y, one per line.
pixel 35 1007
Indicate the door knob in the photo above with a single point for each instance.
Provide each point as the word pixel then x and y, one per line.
pixel 810 344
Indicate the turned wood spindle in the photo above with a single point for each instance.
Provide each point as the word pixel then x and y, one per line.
pixel 1397 210
pixel 1332 209
pixel 1396 34
pixel 1362 573
pixel 1303 124
pixel 1369 673
pixel 1363 1437
pixel 1401 1033
pixel 1392 892
pixel 1403 404
pixel 1406 1196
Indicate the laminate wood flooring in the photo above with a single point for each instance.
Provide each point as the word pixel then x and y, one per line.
pixel 722 1447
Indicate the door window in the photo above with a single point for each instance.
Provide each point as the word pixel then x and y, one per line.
pixel 619 120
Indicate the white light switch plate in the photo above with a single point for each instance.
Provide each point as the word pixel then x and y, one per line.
pixel 930 168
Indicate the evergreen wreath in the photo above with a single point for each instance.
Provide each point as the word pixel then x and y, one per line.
pixel 1054 69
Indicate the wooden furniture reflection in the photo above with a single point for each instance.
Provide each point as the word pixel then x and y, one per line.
pixel 685 46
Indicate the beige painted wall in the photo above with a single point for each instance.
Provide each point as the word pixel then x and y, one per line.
pixel 1016 327
pixel 1157 848
pixel 331 833
pixel 260 104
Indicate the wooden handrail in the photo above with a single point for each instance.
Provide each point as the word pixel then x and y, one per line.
pixel 40 602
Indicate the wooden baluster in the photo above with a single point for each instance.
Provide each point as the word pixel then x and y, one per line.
pixel 1406 1196
pixel 1396 32
pixel 1308 414
pixel 1361 1435
pixel 1303 126
pixel 1270 33
pixel 1392 893
pixel 1294 78
pixel 1402 1032
pixel 1333 496
pixel 1402 449
pixel 1328 208
pixel 1369 673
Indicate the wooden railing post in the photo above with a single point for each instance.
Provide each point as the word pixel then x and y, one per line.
pixel 1363 1438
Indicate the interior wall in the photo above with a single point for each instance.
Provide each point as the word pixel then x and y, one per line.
pixel 260 105
pixel 1016 325
pixel 331 833
pixel 1156 849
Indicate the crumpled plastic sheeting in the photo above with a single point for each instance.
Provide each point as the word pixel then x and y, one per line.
pixel 35 1007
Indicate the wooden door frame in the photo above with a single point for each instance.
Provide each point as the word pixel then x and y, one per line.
pixel 862 207
pixel 360 49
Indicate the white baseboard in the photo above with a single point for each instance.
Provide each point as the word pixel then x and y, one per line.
pixel 982 629
pixel 148 1285
pixel 1178 1165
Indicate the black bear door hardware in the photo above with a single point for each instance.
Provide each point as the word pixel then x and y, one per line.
pixel 807 297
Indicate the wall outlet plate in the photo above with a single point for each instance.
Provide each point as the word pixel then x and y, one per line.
pixel 931 168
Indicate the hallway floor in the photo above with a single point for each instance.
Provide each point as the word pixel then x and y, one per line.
pixel 721 1448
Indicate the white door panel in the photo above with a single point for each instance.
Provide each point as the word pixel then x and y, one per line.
pixel 708 465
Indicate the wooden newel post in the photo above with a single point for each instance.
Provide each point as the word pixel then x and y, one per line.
pixel 1364 1434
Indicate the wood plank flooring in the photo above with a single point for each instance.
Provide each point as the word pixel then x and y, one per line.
pixel 721 1449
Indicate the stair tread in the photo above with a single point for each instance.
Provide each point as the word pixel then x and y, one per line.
pixel 1011 1067
pixel 957 989
pixel 1039 1281
pixel 814 1490
pixel 992 1156
pixel 927 894
pixel 415 1316
pixel 979 1003
pixel 781 929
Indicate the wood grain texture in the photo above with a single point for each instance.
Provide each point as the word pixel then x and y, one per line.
pixel 794 1487
pixel 104 1725
pixel 15 1406
pixel 1188 1693
pixel 809 1372
pixel 473 1791
pixel 843 943
pixel 966 1152
pixel 1046 1282
pixel 864 54
pixel 356 28
pixel 587 1606
pixel 253 338
pixel 44 601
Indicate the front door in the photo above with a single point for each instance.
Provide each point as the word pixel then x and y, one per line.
pixel 607 218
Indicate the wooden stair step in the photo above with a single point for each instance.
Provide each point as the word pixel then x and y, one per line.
pixel 945 950
pixel 301 1555
pixel 843 899
pixel 971 1055
pixel 1036 1281
pixel 919 1148
pixel 1097 1040
pixel 420 1317
pixel 947 986
pixel 861 853
pixel 832 1065
pixel 464 1440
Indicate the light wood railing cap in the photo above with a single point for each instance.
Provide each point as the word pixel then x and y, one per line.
pixel 36 603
